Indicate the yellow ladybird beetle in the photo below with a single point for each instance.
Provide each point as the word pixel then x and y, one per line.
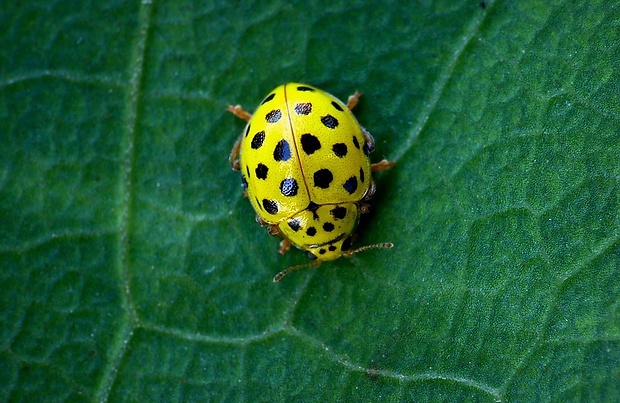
pixel 304 166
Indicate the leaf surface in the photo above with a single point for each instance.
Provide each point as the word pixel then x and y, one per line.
pixel 132 268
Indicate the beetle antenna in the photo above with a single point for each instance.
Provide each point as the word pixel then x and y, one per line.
pixel 382 245
pixel 278 277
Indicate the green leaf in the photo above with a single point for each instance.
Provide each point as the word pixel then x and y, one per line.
pixel 131 265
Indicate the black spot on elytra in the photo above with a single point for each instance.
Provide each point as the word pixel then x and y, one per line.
pixel 273 116
pixel 337 106
pixel 332 248
pixel 362 175
pixel 312 207
pixel 322 178
pixel 289 187
pixel 321 251
pixel 270 206
pixel 269 98
pixel 311 231
pixel 304 88
pixel 257 140
pixel 340 149
pixel 310 143
pixel 303 108
pixel 294 224
pixel 261 171
pixel 329 121
pixel 350 185
pixel 328 227
pixel 338 212
pixel 356 143
pixel 282 152
pixel 247 169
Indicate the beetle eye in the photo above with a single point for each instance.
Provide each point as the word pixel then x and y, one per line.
pixel 310 255
pixel 346 244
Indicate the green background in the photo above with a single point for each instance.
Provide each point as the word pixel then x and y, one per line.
pixel 131 265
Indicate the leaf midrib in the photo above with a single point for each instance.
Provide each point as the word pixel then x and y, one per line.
pixel 126 196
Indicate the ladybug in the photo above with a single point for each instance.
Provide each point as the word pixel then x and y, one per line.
pixel 305 167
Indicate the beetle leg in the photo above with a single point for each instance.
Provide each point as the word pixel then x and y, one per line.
pixel 370 141
pixel 234 153
pixel 370 144
pixel 381 165
pixel 364 208
pixel 285 245
pixel 273 229
pixel 353 99
pixel 370 192
pixel 239 112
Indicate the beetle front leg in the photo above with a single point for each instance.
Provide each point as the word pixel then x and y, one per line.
pixel 285 245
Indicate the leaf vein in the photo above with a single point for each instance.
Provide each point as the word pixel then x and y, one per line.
pixel 129 320
pixel 443 78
